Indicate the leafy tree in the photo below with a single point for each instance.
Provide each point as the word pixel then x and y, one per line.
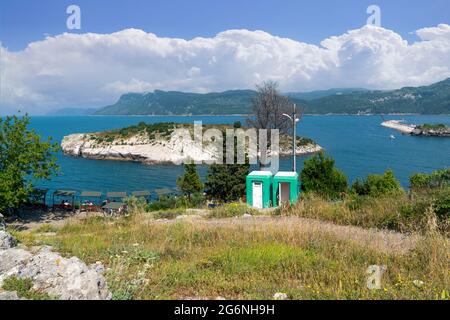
pixel 226 182
pixel 24 158
pixel 321 176
pixel 190 182
pixel 378 185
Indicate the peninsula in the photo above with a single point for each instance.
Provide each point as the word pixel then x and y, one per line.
pixel 156 144
pixel 430 130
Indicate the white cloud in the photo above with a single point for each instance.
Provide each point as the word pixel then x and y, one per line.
pixel 95 69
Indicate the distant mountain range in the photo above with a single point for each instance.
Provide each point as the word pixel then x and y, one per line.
pixel 311 95
pixel 432 99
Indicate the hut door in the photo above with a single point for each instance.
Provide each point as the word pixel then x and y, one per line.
pixel 257 195
pixel 285 192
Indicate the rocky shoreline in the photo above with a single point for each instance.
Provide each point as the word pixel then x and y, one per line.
pixel 167 149
pixel 418 130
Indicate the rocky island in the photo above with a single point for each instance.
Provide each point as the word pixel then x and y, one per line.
pixel 429 130
pixel 157 144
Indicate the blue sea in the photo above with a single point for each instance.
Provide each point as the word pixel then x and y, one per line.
pixel 359 144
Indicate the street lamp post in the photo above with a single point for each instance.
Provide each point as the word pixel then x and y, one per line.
pixel 294 120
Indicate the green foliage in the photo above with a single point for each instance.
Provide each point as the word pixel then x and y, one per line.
pixel 319 175
pixel 165 203
pixel 135 205
pixel 23 159
pixel 437 179
pixel 190 182
pixel 237 125
pixel 432 99
pixel 378 185
pixel 432 126
pixel 171 202
pixel 168 103
pixel 197 200
pixel 226 182
pixel 24 289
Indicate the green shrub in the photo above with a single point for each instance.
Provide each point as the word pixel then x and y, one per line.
pixel 442 206
pixel 436 179
pixel 24 289
pixel 136 205
pixel 197 200
pixel 319 175
pixel 378 185
pixel 164 203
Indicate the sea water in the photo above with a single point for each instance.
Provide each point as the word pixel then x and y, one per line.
pixel 359 144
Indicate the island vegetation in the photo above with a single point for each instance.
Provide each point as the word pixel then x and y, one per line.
pixel 436 130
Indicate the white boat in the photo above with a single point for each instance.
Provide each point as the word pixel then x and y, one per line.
pixel 392 137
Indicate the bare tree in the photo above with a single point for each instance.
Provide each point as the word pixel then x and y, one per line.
pixel 268 107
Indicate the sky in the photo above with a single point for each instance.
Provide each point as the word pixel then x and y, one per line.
pixel 204 46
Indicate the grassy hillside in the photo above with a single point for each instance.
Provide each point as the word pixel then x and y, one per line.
pixel 173 102
pixel 433 99
pixel 198 257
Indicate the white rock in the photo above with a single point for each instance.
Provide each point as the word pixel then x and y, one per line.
pixel 68 279
pixel 2 222
pixel 141 148
pixel 10 262
pixel 280 296
pixel 9 295
pixel 418 283
pixel 6 240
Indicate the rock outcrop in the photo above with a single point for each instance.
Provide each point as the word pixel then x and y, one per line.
pixel 439 132
pixel 136 148
pixel 6 240
pixel 67 279
pixel 163 149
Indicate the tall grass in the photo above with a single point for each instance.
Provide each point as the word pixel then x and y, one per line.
pixel 243 260
pixel 402 212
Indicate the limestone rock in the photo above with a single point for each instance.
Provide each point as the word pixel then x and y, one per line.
pixel 280 296
pixel 68 279
pixel 6 240
pixel 9 295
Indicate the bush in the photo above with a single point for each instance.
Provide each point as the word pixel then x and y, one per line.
pixel 165 203
pixel 319 175
pixel 197 200
pixel 378 185
pixel 136 205
pixel 24 289
pixel 437 179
